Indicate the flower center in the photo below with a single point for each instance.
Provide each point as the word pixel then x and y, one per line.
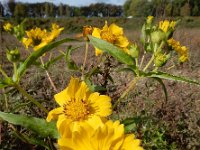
pixel 108 36
pixel 76 109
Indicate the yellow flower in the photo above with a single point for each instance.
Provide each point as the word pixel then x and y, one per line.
pixel 113 34
pixel 181 50
pixel 78 104
pixel 38 38
pixel 109 136
pixel 7 27
pixel 166 25
pixel 55 32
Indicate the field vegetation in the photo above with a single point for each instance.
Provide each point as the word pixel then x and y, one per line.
pixel 164 115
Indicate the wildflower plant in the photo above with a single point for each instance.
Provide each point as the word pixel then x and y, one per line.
pixel 81 120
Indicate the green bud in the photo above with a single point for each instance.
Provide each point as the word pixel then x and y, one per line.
pixel 13 55
pixel 134 51
pixel 157 36
pixel 161 59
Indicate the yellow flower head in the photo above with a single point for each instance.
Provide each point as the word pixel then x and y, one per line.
pixel 78 104
pixel 109 136
pixel 181 50
pixel 166 25
pixel 113 34
pixel 7 27
pixel 39 38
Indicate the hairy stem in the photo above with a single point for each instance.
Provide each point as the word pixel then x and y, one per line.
pixel 24 93
pixel 49 77
pixel 131 86
pixel 85 58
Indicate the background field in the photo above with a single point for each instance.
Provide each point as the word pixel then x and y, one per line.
pixel 172 124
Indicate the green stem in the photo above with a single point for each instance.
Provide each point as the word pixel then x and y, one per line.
pixel 149 63
pixel 132 84
pixel 49 77
pixel 6 100
pixel 141 63
pixel 3 73
pixel 136 62
pixel 85 58
pixel 21 90
pixel 15 68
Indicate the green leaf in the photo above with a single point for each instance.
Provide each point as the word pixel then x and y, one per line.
pixel 167 76
pixel 114 51
pixel 163 86
pixel 70 63
pixel 6 82
pixel 2 85
pixel 130 124
pixel 36 54
pixel 51 62
pixel 40 126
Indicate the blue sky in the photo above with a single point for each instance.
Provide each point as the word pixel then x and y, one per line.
pixel 76 2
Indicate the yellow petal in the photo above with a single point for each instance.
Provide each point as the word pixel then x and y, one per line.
pixel 62 123
pixel 105 27
pixel 82 92
pixel 122 41
pixel 53 114
pixel 65 144
pixel 96 32
pixel 116 30
pixel 98 52
pixel 95 122
pixel 73 87
pixel 101 104
pixel 62 97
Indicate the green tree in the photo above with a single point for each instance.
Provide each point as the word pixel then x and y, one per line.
pixel 185 10
pixel 67 11
pixel 195 10
pixel 127 7
pixel 20 10
pixel 168 9
pixel 61 10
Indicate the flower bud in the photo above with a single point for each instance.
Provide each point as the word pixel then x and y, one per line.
pixel 150 19
pixel 161 59
pixel 87 30
pixel 134 51
pixel 157 36
pixel 13 55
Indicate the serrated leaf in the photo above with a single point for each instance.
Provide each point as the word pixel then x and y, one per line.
pixel 114 51
pixel 36 54
pixel 168 76
pixel 39 126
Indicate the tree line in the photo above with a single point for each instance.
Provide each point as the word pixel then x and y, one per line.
pixel 162 8
pixel 135 8
pixel 47 9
